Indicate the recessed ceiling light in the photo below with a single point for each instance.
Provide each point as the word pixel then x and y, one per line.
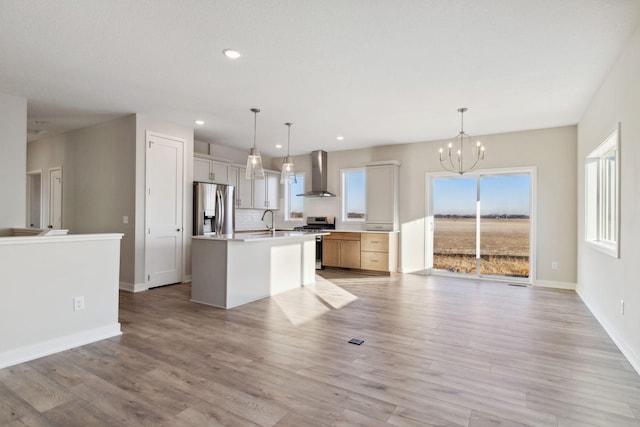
pixel 278 145
pixel 230 53
pixel 200 122
pixel 339 138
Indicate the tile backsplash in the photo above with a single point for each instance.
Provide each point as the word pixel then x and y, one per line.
pixel 249 219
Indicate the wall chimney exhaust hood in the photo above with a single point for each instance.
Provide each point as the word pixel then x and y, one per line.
pixel 318 176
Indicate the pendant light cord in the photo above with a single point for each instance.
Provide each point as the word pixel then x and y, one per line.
pixel 255 124
pixel 255 127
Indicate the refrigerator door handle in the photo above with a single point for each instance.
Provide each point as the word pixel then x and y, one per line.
pixel 219 212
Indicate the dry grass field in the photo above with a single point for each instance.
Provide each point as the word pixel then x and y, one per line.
pixel 504 246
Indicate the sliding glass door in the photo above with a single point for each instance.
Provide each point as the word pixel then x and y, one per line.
pixel 504 224
pixel 482 224
pixel 454 226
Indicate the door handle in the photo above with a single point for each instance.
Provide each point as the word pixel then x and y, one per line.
pixel 219 213
pixel 179 229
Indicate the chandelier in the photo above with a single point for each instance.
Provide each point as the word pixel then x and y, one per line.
pixel 455 158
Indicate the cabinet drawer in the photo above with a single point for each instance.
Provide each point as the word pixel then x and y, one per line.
pixel 375 242
pixel 342 236
pixel 377 261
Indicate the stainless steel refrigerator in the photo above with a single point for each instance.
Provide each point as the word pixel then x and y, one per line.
pixel 213 208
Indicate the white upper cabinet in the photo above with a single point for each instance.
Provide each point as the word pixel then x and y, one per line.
pixel 250 194
pixel 266 192
pixel 201 169
pixel 244 190
pixel 209 170
pixel 233 177
pixel 382 196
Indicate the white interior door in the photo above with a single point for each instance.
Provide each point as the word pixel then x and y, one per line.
pixel 55 198
pixel 164 210
pixel 34 199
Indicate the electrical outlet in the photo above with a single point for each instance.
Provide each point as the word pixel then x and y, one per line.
pixel 621 306
pixel 125 220
pixel 78 303
pixel 554 265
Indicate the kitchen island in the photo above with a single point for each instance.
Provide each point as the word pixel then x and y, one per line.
pixel 231 270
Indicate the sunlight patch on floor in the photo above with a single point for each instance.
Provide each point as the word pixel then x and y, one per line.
pixel 312 301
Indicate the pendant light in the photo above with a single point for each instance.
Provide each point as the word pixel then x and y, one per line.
pixel 454 159
pixel 254 161
pixel 288 171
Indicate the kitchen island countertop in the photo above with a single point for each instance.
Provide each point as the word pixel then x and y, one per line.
pixel 259 235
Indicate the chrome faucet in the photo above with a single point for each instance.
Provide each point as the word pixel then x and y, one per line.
pixel 263 215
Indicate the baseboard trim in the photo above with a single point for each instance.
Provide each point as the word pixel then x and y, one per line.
pixel 627 351
pixel 56 345
pixel 186 278
pixel 555 285
pixel 130 287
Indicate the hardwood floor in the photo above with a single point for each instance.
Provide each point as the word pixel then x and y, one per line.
pixel 437 351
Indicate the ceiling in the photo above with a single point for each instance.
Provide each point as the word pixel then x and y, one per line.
pixel 377 72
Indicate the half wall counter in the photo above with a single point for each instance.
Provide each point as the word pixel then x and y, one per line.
pixel 58 292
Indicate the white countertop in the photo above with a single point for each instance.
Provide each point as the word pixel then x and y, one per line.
pixel 259 236
pixel 21 240
pixel 362 231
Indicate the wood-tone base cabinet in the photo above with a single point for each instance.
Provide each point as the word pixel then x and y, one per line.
pixel 379 252
pixel 366 251
pixel 341 250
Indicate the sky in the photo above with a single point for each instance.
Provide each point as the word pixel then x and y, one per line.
pixel 499 194
pixel 356 191
pixel 297 203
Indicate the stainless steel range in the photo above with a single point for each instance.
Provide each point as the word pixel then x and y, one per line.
pixel 318 223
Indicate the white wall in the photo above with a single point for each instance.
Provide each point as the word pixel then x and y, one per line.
pixel 13 162
pixel 604 281
pixel 103 168
pixel 98 175
pixel 551 151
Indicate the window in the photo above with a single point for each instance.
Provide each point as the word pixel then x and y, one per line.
pixel 353 194
pixel 294 204
pixel 602 189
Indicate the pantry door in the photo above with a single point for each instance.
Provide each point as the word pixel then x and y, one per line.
pixel 164 210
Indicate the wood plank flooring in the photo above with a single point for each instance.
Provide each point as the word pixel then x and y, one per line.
pixel 437 351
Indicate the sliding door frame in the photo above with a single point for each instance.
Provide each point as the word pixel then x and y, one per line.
pixel 429 222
